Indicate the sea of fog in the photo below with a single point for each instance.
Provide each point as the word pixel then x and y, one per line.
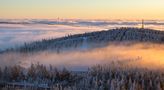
pixel 140 55
pixel 14 33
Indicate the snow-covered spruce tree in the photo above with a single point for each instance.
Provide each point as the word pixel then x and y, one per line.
pixel 6 74
pixel 31 73
pixel 16 73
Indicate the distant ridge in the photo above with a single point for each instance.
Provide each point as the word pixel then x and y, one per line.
pixel 99 37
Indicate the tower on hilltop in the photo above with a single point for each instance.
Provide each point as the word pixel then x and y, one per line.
pixel 142 24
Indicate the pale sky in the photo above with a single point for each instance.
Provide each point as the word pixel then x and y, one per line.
pixel 82 9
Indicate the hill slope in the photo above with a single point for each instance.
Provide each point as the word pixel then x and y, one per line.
pixel 100 37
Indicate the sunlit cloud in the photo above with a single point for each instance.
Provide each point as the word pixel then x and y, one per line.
pixel 16 32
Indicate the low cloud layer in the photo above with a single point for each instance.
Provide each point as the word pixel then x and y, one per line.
pixel 16 32
pixel 145 55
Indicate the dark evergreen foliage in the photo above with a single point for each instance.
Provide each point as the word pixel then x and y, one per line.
pixel 114 76
pixel 113 35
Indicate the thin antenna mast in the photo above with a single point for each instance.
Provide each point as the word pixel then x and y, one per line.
pixel 142 24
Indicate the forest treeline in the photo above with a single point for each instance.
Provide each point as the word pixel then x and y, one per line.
pixel 99 37
pixel 114 76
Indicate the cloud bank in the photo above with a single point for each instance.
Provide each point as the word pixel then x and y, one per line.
pixel 16 32
pixel 143 55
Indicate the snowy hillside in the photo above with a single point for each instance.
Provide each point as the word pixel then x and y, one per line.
pixel 94 38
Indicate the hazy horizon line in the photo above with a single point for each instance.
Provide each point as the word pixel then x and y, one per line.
pixel 80 19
